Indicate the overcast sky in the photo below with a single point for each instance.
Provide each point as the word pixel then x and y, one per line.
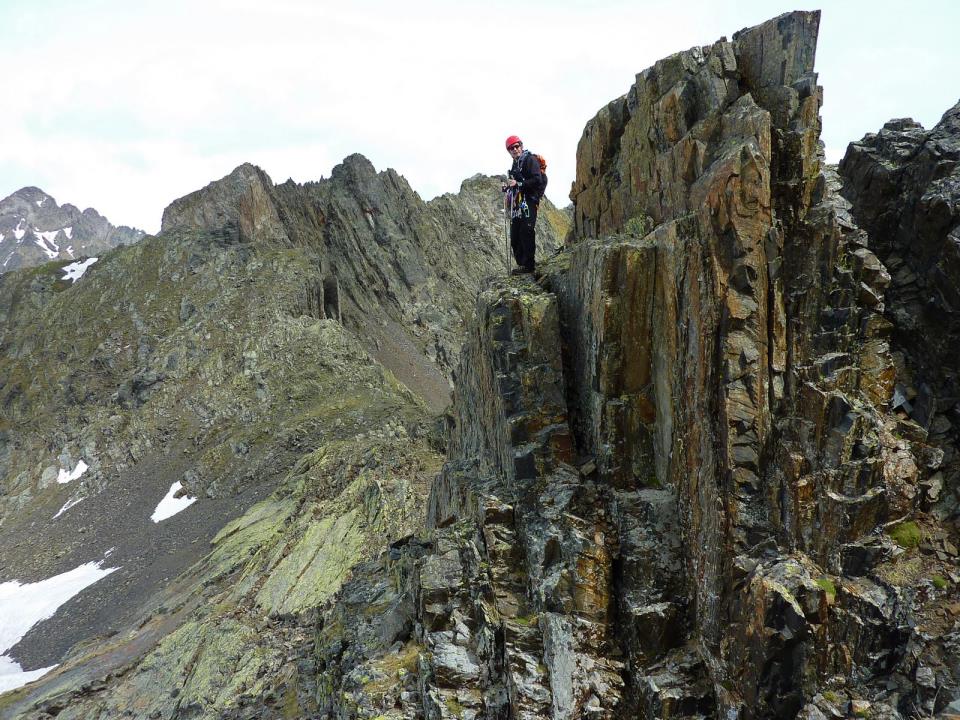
pixel 125 106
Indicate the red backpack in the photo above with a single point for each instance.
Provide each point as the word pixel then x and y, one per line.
pixel 543 171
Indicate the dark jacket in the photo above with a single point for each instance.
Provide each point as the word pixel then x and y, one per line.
pixel 526 171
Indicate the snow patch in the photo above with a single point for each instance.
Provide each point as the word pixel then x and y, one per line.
pixel 75 271
pixel 67 505
pixel 170 505
pixel 8 259
pixel 23 606
pixel 13 676
pixel 40 202
pixel 63 477
pixel 1 237
pixel 68 231
pixel 44 240
pixel 19 231
pixel 70 250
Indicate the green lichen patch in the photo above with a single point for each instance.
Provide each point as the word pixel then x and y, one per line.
pixel 454 707
pixel 828 586
pixel 315 567
pixel 940 582
pixel 8 699
pixel 291 704
pixel 559 220
pixel 906 534
pixel 639 225
pixel 391 668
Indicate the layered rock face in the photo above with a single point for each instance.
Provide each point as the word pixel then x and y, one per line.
pixel 677 485
pixel 904 186
pixel 35 230
pixel 765 366
pixel 758 386
pixel 503 610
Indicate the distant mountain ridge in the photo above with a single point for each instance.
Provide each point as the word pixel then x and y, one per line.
pixel 35 230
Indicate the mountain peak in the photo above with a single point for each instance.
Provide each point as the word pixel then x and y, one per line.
pixel 35 230
pixel 226 206
pixel 355 170
pixel 28 194
pixel 249 171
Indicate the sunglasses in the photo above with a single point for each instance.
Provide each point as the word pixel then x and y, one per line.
pixel 515 146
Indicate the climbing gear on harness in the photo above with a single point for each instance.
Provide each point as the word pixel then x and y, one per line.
pixel 517 202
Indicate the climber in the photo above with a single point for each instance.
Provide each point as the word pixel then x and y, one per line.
pixel 525 190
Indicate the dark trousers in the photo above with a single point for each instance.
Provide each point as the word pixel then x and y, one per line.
pixel 523 238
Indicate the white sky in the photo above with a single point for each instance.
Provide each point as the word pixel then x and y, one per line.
pixel 126 106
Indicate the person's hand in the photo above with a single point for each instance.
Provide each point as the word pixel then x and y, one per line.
pixel 511 183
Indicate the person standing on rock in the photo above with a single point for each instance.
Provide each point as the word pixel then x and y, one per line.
pixel 524 190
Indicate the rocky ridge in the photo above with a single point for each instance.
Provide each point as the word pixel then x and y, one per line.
pixel 237 352
pixel 378 267
pixel 904 187
pixel 35 230
pixel 677 485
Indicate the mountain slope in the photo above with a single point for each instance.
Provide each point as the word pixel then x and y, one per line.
pixel 236 353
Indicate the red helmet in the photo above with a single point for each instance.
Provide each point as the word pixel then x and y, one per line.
pixel 512 140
